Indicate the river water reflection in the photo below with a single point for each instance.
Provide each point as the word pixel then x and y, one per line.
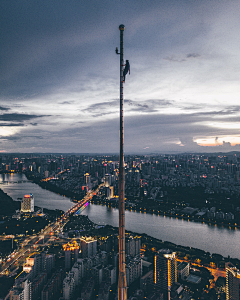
pixel 210 238
pixel 17 185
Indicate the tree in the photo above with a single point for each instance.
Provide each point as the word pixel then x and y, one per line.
pixel 221 281
pixel 212 295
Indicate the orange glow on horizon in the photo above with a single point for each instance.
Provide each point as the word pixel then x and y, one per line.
pixel 211 141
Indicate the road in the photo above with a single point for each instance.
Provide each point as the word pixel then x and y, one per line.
pixel 214 271
pixel 31 243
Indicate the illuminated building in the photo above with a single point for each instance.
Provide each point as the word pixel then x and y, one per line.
pixel 88 180
pixel 232 282
pixel 71 251
pixel 107 180
pixel 109 192
pixel 33 265
pixel 165 270
pixel 112 191
pixel 27 204
pixel 38 263
pixel 88 246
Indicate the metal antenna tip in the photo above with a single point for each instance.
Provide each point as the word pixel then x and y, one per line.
pixel 121 27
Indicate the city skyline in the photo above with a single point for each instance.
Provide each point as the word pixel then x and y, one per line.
pixel 60 76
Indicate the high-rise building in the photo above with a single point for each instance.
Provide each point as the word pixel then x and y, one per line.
pixel 110 274
pixel 88 180
pixel 165 270
pixel 53 286
pixel 21 291
pixel 183 270
pixel 232 282
pixel 68 286
pixel 71 253
pixel 104 291
pixel 107 180
pixel 68 259
pixel 49 263
pixel 38 263
pixel 110 192
pixel 133 245
pixel 88 246
pixel 27 204
pixel 97 274
pixel 88 289
pixel 133 269
pixel 38 284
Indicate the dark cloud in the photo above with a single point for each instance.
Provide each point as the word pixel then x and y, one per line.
pixel 174 59
pixel 11 138
pixel 46 46
pixel 101 106
pixel 4 108
pixel 101 114
pixel 67 102
pixel 226 144
pixel 223 112
pixel 158 132
pixel 192 107
pixel 151 105
pixel 11 124
pixel 194 55
pixel 55 54
pixel 17 117
pixel 148 106
pixel 18 137
pixel 137 106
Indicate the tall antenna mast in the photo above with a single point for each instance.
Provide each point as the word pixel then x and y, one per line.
pixel 122 281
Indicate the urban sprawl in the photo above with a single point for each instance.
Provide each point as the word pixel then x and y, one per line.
pixel 51 254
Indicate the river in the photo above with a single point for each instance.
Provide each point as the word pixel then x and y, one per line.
pixel 17 185
pixel 211 238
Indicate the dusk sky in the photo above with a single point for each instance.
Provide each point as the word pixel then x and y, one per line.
pixel 59 78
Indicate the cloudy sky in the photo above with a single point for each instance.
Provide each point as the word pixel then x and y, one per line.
pixel 59 75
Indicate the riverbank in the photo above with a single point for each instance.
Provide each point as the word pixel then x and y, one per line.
pixel 225 223
pixel 7 204
pixel 197 257
pixel 75 197
pixel 212 238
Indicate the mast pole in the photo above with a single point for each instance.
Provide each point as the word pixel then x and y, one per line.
pixel 122 281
